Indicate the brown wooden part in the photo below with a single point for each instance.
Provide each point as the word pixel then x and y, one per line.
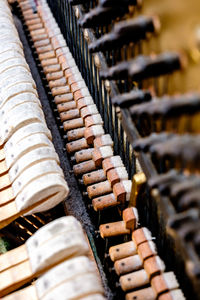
pixel 56 43
pixel 99 189
pixel 98 142
pixel 65 65
pixel 61 51
pixel 37 25
pixel 63 58
pixel 68 73
pixel 63 98
pixel 104 202
pixel 76 145
pixel 119 192
pixel 145 251
pixel 70 114
pixel 58 82
pixel 152 266
pixel 127 265
pixel 134 280
pixel 158 284
pixel 85 112
pixel 83 155
pixel 72 80
pixel 89 135
pixel 38 33
pixel 60 90
pixel 113 229
pixel 108 165
pixel 78 95
pixel 122 250
pixel 47 55
pixel 113 177
pixel 73 124
pixel 42 43
pixel 74 86
pixel 25 6
pixel 97 157
pixel 33 21
pixel 91 120
pixel 51 68
pixel 28 12
pixel 143 294
pixel 54 75
pixel 94 177
pixel 44 49
pixel 65 106
pixel 166 296
pixel 76 134
pixel 84 167
pixel 31 16
pixel 129 218
pixel 49 61
pixel 41 37
pixel 138 236
pixel 81 103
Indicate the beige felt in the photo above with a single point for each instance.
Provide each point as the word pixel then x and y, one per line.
pixel 15 90
pixel 14 71
pixel 19 61
pixel 9 47
pixel 30 159
pixel 12 40
pixel 25 145
pixel 17 120
pixel 91 286
pixel 9 212
pixel 50 230
pixel 8 34
pixel 11 53
pixel 33 172
pixel 15 79
pixel 56 190
pixel 58 249
pixel 25 132
pixel 41 194
pixel 64 272
pixel 18 100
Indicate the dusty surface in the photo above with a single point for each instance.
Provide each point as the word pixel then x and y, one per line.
pixel 74 204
